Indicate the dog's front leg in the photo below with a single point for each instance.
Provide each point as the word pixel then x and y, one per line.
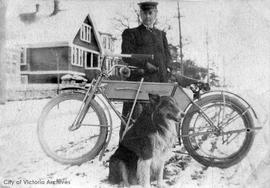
pixel 143 172
pixel 160 169
pixel 124 173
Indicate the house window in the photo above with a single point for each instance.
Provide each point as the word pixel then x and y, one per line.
pixel 77 57
pixel 85 33
pixel 92 60
pixel 108 64
pixel 81 57
pixel 23 56
pixel 89 60
pixel 104 42
pixel 109 44
pixel 95 60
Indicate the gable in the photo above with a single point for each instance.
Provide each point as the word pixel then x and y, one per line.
pixel 87 21
pixel 93 44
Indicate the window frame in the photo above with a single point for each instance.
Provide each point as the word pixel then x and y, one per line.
pixel 75 56
pixel 81 60
pixel 24 59
pixel 104 42
pixel 85 33
pixel 91 63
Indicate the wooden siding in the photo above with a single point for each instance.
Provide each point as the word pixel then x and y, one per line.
pixel 51 78
pixel 77 69
pixel 92 73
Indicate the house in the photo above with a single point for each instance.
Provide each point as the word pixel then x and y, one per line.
pixel 65 41
pixel 108 41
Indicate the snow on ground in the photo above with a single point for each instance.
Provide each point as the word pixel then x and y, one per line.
pixel 21 157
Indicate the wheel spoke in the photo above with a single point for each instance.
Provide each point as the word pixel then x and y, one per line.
pixel 71 145
pixel 235 117
pixel 198 134
pixel 227 139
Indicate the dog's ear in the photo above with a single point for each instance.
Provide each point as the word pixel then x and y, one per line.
pixel 154 98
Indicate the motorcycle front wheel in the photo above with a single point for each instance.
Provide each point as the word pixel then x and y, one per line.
pixel 66 146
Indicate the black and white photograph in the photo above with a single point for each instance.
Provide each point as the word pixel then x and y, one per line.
pixel 134 93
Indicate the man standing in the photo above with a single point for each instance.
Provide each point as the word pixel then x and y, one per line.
pixel 146 39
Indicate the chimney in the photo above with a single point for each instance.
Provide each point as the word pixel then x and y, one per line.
pixel 30 17
pixel 55 7
pixel 37 8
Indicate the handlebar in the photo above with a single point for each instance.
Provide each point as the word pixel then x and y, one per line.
pixel 119 66
pixel 125 70
pixel 196 88
pixel 135 56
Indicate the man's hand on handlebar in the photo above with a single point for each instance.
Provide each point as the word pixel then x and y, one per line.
pixel 127 71
pixel 151 68
pixel 200 86
pixel 203 86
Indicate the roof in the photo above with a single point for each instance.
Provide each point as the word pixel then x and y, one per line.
pixel 60 28
pixel 107 34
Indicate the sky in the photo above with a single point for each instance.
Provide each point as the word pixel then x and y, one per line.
pixel 237 32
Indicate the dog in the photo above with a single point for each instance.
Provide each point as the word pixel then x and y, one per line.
pixel 144 149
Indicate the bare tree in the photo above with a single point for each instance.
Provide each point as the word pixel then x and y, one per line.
pixel 137 13
pixel 124 20
pixel 121 21
pixel 3 7
pixel 164 25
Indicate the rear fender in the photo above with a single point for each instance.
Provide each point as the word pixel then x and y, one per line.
pixel 223 92
pixel 74 89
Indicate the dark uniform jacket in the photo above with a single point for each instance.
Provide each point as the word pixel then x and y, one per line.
pixel 141 40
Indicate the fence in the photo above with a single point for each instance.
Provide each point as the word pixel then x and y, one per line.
pixel 10 70
pixel 2 42
pixel 32 91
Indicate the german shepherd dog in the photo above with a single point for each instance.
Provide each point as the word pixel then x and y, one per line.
pixel 143 151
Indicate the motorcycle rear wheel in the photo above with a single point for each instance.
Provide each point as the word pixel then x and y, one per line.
pixel 230 144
